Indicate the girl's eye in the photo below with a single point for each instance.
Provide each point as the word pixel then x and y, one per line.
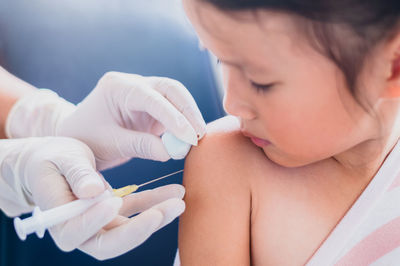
pixel 260 88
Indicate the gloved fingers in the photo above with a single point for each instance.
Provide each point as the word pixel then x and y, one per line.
pixel 144 122
pixel 130 233
pixel 125 236
pixel 119 220
pixel 171 209
pixel 76 231
pixel 138 202
pixel 181 98
pixel 157 129
pixel 143 98
pixel 49 188
pixel 142 145
pixel 81 175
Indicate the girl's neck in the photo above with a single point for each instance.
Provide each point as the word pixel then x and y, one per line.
pixel 364 160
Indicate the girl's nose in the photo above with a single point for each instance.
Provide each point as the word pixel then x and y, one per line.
pixel 236 98
pixel 235 107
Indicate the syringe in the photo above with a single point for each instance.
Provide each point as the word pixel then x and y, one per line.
pixel 41 220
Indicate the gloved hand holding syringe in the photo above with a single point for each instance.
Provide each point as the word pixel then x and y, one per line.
pixel 40 221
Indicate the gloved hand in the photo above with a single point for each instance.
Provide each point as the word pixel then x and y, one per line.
pixel 158 208
pixel 122 118
pixel 50 171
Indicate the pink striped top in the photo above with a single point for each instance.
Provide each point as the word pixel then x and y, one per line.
pixel 369 234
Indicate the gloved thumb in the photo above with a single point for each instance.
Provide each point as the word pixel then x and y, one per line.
pixel 82 177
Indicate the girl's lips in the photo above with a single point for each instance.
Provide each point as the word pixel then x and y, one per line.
pixel 257 141
pixel 260 142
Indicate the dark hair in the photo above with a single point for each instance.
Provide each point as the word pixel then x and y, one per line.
pixel 369 21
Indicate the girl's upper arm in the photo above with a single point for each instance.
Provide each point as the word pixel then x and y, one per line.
pixel 215 228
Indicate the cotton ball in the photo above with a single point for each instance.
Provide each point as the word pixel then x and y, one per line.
pixel 176 148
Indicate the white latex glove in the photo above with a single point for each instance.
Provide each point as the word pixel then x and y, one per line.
pixel 33 167
pixel 50 171
pixel 157 208
pixel 122 118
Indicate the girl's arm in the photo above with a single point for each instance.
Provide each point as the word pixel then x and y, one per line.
pixel 215 228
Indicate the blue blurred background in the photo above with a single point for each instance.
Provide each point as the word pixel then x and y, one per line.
pixel 66 46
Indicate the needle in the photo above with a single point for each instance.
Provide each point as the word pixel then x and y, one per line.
pixel 124 191
pixel 157 179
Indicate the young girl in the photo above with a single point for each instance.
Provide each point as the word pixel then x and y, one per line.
pixel 314 89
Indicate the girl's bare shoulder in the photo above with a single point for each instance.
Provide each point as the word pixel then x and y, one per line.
pixel 214 230
pixel 225 153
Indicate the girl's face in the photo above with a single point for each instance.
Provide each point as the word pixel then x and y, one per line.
pixel 289 97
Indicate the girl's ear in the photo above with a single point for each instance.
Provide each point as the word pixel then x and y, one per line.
pixel 393 82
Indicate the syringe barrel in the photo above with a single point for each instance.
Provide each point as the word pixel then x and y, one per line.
pixel 40 221
pixel 67 211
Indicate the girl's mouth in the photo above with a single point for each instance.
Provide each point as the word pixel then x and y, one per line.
pixel 257 141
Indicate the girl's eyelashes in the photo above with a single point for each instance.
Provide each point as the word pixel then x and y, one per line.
pixel 260 88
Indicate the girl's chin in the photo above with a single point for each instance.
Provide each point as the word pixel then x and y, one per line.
pixel 284 161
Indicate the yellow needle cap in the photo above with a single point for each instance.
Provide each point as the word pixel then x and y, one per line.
pixel 124 191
